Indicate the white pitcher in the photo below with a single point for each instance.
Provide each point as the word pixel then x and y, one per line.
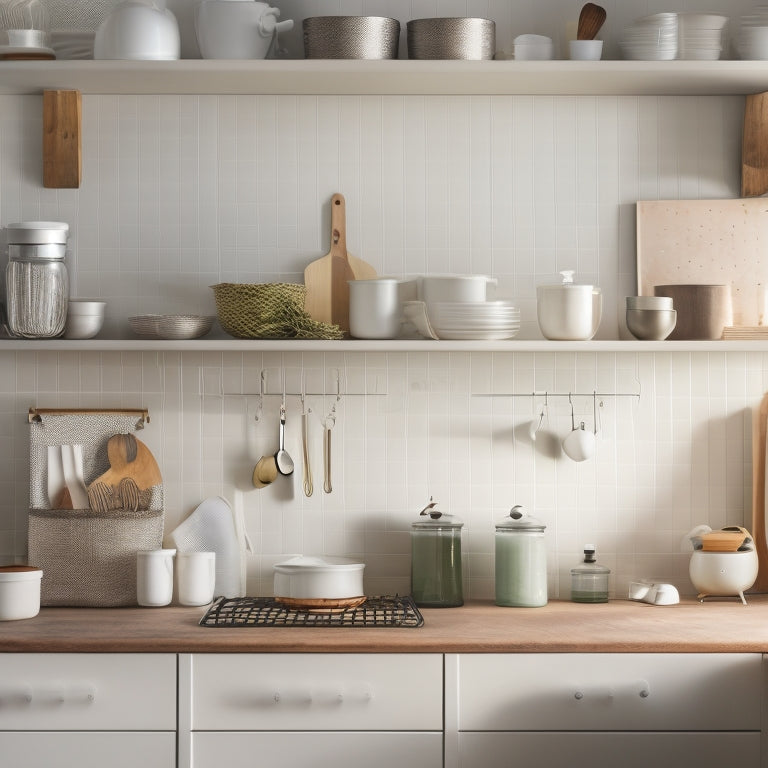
pixel 237 29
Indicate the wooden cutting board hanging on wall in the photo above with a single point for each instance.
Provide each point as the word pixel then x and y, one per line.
pixel 754 146
pixel 326 278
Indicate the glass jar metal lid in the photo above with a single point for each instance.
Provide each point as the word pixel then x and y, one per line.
pixel 36 232
pixel 517 520
pixel 431 518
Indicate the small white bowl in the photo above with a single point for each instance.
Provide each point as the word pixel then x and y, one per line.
pixel 19 592
pixel 84 318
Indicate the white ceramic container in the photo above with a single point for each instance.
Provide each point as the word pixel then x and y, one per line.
pixel 586 50
pixel 197 577
pixel 138 30
pixel 568 311
pixel 318 578
pixel 447 288
pixel 154 577
pixel 19 592
pixel 85 318
pixel 723 573
pixel 375 310
pixel 237 29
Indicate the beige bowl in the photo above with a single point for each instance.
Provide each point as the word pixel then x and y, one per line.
pixel 651 324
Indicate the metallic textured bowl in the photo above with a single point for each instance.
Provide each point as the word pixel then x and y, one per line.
pixel 651 324
pixel 351 37
pixel 451 38
pixel 171 326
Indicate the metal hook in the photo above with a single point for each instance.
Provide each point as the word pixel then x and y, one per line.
pixel 573 418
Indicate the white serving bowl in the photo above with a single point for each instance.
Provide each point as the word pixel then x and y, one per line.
pixel 317 577
pixel 19 592
pixel 454 288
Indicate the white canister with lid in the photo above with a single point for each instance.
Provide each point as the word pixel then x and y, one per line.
pixel 568 311
pixel 521 561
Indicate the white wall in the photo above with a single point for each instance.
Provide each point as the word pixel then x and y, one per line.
pixel 181 192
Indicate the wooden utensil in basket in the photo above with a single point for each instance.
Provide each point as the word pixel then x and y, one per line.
pixel 127 483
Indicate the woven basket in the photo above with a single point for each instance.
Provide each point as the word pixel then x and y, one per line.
pixel 268 311
pixel 89 558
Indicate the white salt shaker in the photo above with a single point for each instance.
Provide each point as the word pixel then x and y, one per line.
pixel 154 577
pixel 197 577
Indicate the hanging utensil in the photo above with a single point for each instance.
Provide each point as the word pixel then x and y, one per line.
pixel 307 470
pixel 328 424
pixel 283 459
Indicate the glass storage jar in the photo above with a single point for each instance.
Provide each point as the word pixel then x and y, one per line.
pixel 36 279
pixel 436 579
pixel 521 561
pixel 24 24
pixel 589 581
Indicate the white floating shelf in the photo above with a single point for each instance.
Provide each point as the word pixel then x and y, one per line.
pixel 361 346
pixel 399 77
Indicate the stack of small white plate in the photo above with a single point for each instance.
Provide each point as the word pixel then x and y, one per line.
pixel 701 36
pixel 752 40
pixel 485 320
pixel 651 38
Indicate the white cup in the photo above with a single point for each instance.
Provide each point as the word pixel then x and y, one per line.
pixel 586 50
pixel 374 308
pixel 154 577
pixel 197 577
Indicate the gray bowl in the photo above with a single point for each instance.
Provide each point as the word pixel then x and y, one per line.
pixel 651 324
pixel 649 302
pixel 453 37
pixel 351 37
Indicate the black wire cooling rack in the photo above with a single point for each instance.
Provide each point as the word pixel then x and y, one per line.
pixel 383 611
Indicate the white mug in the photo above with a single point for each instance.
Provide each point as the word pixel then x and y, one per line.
pixel 197 577
pixel 154 577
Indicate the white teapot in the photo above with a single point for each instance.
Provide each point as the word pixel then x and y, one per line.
pixel 237 29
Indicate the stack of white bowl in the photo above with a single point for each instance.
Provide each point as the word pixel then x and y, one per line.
pixel 533 48
pixel 752 40
pixel 474 320
pixel 651 38
pixel 701 36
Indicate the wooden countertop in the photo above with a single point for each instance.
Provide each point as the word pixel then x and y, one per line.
pixel 478 627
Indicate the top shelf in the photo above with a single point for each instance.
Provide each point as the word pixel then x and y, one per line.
pixel 399 77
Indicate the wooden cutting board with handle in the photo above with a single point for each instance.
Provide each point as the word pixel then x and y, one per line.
pixel 759 424
pixel 326 278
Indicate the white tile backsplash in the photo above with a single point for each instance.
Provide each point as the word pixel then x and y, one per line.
pixel 181 192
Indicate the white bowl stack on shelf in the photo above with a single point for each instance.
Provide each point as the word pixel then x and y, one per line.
pixel 752 39
pixel 701 36
pixel 488 320
pixel 651 38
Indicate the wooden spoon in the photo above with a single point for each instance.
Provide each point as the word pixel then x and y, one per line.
pixel 591 19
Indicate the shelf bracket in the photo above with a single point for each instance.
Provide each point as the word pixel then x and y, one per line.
pixel 62 139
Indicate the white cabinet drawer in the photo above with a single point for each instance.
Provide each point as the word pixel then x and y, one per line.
pixel 628 692
pixel 609 750
pixel 350 749
pixel 79 691
pixel 104 749
pixel 315 691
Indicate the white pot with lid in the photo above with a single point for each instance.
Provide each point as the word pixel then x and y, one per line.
pixel 568 311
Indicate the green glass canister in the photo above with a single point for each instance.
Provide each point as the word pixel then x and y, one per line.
pixel 589 581
pixel 521 561
pixel 436 559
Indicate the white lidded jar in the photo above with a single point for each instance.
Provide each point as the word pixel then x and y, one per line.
pixel 568 311
pixel 36 279
pixel 19 592
pixel 521 561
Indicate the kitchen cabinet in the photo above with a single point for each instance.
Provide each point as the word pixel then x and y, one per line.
pixel 295 709
pixel 90 710
pixel 590 710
